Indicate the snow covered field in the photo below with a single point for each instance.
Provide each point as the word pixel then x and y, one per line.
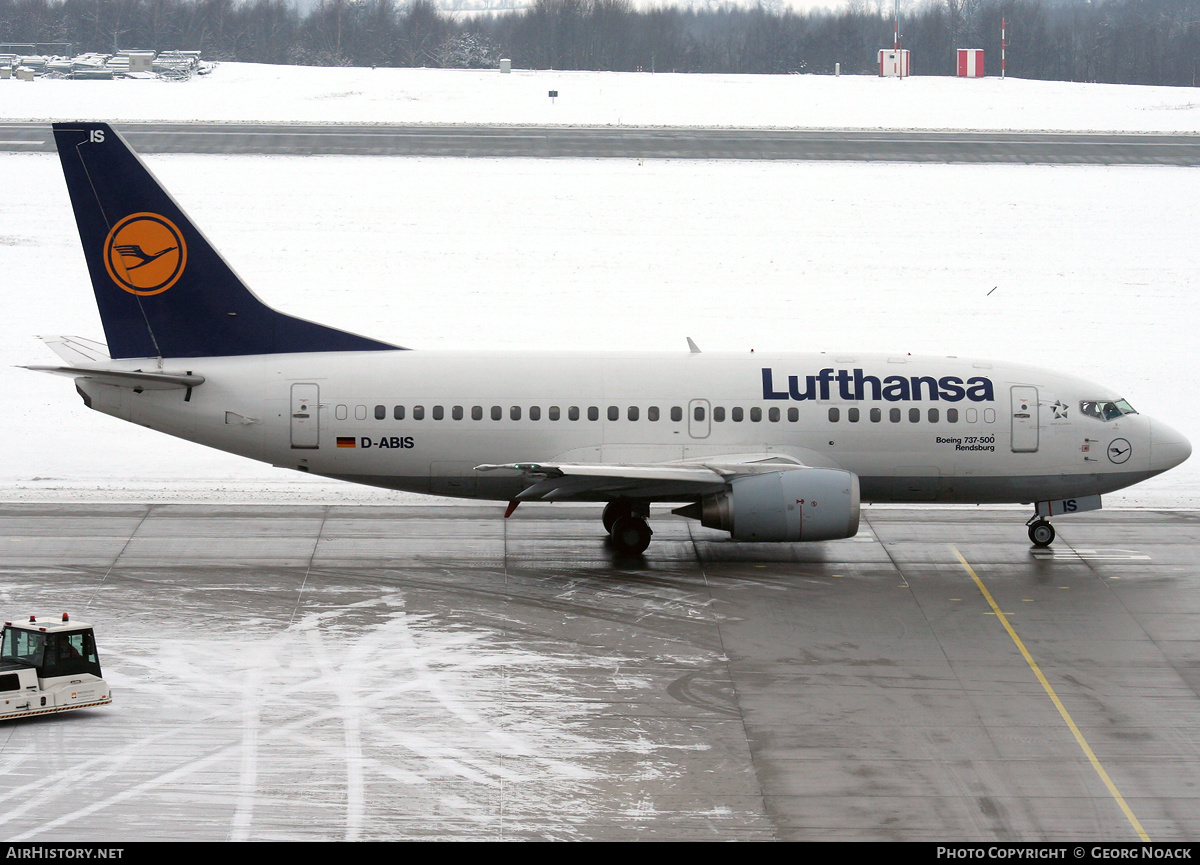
pixel 250 92
pixel 1094 269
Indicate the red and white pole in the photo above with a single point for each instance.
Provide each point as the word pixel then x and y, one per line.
pixel 1003 45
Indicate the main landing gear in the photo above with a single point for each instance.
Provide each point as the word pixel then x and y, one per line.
pixel 625 521
pixel 1041 533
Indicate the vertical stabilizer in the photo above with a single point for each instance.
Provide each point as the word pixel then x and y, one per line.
pixel 162 289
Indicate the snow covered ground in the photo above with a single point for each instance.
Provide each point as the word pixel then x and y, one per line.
pixel 250 92
pixel 1091 270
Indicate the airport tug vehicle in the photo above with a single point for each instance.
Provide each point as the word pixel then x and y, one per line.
pixel 49 667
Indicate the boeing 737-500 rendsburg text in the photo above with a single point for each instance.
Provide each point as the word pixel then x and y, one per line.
pixel 768 447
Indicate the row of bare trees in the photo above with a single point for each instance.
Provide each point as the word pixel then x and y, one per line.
pixel 1119 41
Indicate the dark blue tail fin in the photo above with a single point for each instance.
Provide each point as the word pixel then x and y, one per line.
pixel 163 291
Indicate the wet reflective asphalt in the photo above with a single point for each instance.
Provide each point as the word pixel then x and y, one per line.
pixel 435 672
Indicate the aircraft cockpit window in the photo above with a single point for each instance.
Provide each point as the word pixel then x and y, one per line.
pixel 1105 409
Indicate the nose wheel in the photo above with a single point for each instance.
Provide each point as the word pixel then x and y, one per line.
pixel 1041 533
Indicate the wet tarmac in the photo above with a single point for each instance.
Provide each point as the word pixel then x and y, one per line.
pixel 435 672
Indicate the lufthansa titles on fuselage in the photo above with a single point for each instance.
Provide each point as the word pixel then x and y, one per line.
pixel 852 384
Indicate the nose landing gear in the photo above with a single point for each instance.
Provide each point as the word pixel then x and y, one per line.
pixel 1041 533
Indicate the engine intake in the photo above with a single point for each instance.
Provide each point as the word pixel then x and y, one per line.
pixel 793 505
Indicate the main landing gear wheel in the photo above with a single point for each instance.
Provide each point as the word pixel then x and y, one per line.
pixel 613 511
pixel 631 535
pixel 1041 533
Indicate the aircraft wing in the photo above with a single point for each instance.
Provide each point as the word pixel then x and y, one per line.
pixel 563 481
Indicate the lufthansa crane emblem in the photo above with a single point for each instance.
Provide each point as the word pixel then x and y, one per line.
pixel 145 253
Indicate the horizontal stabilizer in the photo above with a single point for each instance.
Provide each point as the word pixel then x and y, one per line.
pixel 76 349
pixel 127 378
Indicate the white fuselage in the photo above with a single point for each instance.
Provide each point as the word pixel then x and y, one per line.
pixel 912 428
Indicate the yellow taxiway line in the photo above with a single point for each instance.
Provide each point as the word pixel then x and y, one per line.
pixel 1062 710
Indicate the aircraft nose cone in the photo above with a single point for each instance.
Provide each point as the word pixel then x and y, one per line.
pixel 1168 448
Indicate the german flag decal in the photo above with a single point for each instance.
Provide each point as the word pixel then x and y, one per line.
pixel 345 441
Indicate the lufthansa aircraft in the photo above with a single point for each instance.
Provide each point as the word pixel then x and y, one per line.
pixel 768 447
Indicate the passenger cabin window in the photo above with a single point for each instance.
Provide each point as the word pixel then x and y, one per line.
pixel 914 415
pixel 398 412
pixel 876 415
pixel 756 415
pixel 737 414
pixel 698 412
pixel 834 414
pixel 793 415
pixel 497 412
pixel 457 412
pixel 476 412
pixel 719 413
pixel 573 413
pixel 614 413
pixel 553 412
pixel 418 412
pixel 773 414
pixel 894 415
pixel 852 415
pixel 652 413
pixel 951 415
pixel 514 412
pixel 676 413
pixel 535 412
pixel 593 413
pixel 933 415
pixel 380 412
pixel 438 412
pixel 632 414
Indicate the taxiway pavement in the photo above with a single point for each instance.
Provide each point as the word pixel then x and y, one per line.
pixel 436 672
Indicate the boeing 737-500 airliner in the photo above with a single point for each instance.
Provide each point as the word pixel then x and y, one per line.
pixel 768 447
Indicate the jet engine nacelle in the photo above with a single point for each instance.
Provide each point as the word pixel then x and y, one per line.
pixel 794 505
